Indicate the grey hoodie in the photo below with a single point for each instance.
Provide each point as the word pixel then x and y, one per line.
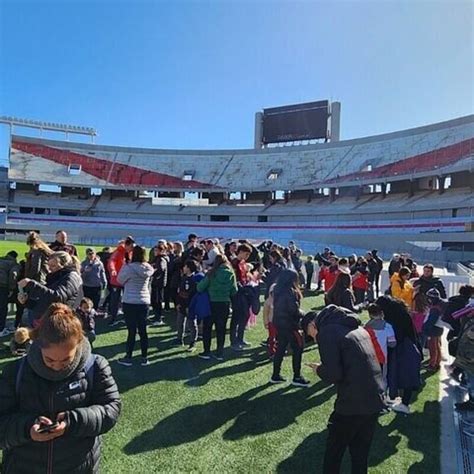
pixel 135 278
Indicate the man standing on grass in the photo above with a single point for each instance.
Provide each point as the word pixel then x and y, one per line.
pixel 121 255
pixel 349 362
pixel 62 245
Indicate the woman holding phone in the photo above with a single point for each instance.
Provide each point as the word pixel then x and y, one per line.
pixel 57 401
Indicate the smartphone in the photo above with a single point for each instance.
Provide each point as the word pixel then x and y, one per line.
pixel 47 428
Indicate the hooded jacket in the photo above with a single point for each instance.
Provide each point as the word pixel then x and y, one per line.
pixel 404 293
pixel 135 278
pixel 425 284
pixel 62 286
pixel 348 360
pixel 286 303
pixel 222 286
pixel 90 412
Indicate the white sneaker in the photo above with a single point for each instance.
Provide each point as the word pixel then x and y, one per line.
pixel 157 324
pixel 401 408
pixel 395 401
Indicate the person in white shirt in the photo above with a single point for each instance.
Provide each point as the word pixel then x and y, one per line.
pixel 212 251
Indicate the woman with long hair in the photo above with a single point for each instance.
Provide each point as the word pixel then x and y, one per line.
pixel 277 264
pixel 36 265
pixel 220 283
pixel 404 360
pixel 286 319
pixel 341 293
pixel 63 285
pixel 57 401
pixel 135 278
pixel 400 286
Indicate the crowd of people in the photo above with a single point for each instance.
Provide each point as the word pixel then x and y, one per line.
pixel 201 284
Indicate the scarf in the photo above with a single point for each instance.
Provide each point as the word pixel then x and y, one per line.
pixel 35 359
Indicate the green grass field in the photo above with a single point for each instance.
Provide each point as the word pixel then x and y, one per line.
pixel 182 414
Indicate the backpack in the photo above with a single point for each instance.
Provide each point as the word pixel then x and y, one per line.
pixel 88 369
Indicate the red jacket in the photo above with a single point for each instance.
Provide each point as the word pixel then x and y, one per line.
pixel 361 281
pixel 115 263
pixel 329 276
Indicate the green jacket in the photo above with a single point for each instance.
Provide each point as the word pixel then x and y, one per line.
pixel 221 287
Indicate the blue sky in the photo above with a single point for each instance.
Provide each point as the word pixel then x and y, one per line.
pixel 183 74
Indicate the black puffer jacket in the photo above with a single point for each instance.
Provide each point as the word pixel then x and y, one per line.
pixel 425 284
pixel 348 360
pixel 91 411
pixel 286 303
pixel 62 286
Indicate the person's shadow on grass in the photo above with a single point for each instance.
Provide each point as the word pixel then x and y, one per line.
pixel 254 417
pixel 422 437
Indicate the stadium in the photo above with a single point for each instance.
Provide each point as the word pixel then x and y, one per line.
pixel 409 190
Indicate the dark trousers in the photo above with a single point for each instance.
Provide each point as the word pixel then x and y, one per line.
pixel 218 317
pixel 359 295
pixel 349 431
pixel 309 279
pixel 284 338
pixel 20 308
pixel 377 285
pixel 240 316
pixel 157 302
pixel 135 318
pixel 93 292
pixel 115 297
pixel 167 297
pixel 3 307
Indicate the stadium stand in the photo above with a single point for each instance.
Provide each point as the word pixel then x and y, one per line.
pixel 411 185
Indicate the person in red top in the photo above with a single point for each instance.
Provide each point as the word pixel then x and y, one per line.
pixel 121 255
pixel 329 273
pixel 241 302
pixel 360 282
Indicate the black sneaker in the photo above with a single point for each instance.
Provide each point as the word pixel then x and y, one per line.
pixel 300 382
pixel 205 356
pixel 126 361
pixel 277 379
pixel 144 362
pixel 218 356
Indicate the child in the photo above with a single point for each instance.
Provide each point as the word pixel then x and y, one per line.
pixel 384 334
pixel 360 282
pixel 86 314
pixel 21 342
pixel 309 267
pixel 268 323
pixel 432 328
pixel 186 291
